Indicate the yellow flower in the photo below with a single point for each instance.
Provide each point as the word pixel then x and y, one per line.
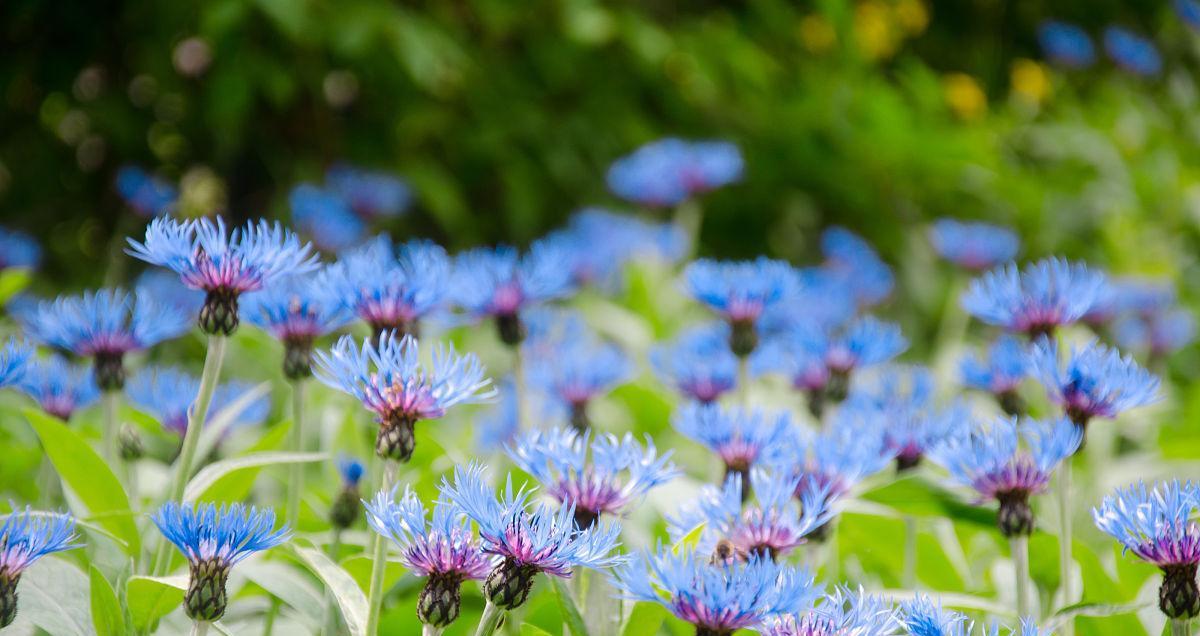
pixel 964 96
pixel 873 30
pixel 912 16
pixel 1030 80
pixel 817 34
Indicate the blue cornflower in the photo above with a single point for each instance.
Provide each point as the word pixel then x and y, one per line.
pixel 914 424
pixel 528 542
pixel 25 538
pixel 852 448
pixel 922 616
pixel 1133 53
pixel 13 359
pixel 717 595
pixel 857 265
pixel 325 217
pixel 251 414
pixel 1188 11
pixel 296 310
pixel 443 549
pixel 390 380
pixel 391 287
pixel 501 283
pixel 820 298
pixel 146 194
pixel 771 526
pixel 166 289
pixel 739 291
pixel 618 472
pixel 1066 44
pixel 1128 295
pixel 223 264
pixel 578 371
pixel 1037 298
pixel 599 243
pixel 740 437
pixel 697 363
pixel 1159 335
pixel 1003 369
pixel 59 387
pixel 351 470
pixel 843 613
pixel 975 246
pixel 797 352
pixel 1007 461
pixel 1159 526
pixel 371 195
pixel 105 325
pixel 670 171
pixel 866 341
pixel 1095 382
pixel 18 249
pixel 214 539
pixel 167 393
pixel 347 505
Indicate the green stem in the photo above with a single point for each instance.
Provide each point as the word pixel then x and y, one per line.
pixel 191 438
pixel 1020 557
pixel 295 484
pixel 269 620
pixel 430 630
pixel 490 619
pixel 1181 627
pixel 743 380
pixel 689 216
pixel 199 628
pixel 111 400
pixel 910 552
pixel 519 387
pixel 1064 540
pixel 379 557
pixel 330 623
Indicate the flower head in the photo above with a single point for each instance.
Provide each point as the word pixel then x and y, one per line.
pixel 865 342
pixel 617 473
pixel 1001 371
pixel 852 448
pixel 500 283
pixel 855 264
pixel 771 526
pixel 975 246
pixel 145 193
pixel 914 424
pixel 718 596
pixel 528 541
pixel 842 613
pixel 25 538
pixel 1066 44
pixel 697 363
pixel 669 171
pixel 59 387
pixel 347 504
pixel 922 616
pixel 1133 53
pixel 741 438
pixel 370 194
pixel 325 217
pixel 391 287
pixel 296 311
pixel 1159 334
pixel 1037 298
pixel 214 539
pixel 13 357
pixel 579 371
pixel 738 290
pixel 18 249
pixel 351 470
pixel 1095 381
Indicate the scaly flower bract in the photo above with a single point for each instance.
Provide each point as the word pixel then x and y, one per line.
pixel 975 246
pixel 697 363
pixel 1095 381
pixel 59 387
pixel 669 171
pixel 1036 299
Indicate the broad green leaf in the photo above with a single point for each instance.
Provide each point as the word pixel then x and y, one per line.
pixel 107 615
pixel 220 421
pixel 350 597
pixel 1043 560
pixel 201 486
pixel 284 582
pixel 533 630
pixel 1100 589
pixel 12 281
pixel 150 598
pixel 53 596
pixel 645 618
pixel 88 477
pixel 566 605
pixel 916 496
pixel 1062 616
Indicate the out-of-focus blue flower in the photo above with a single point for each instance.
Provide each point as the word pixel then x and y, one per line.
pixel 166 289
pixel 922 616
pixel 167 393
pixel 1188 11
pixel 1133 53
pixel 697 363
pixel 391 287
pixel 390 380
pixel 620 471
pixel 770 527
pixel 13 359
pixel 528 541
pixel 578 371
pixel 1095 381
pixel 1128 295
pixel 842 613
pixel 18 249
pixel 739 291
pixel 852 448
pixel 913 424
pixel 145 193
pixel 857 265
pixel 499 425
pixel 1037 298
pixel 252 414
pixel 325 217
pixel 600 243
pixel 741 438
pixel 295 310
pixel 26 537
pixel 1159 335
pixel 975 246
pixel 820 298
pixel 799 354
pixel 108 322
pixel 1001 371
pixel 1066 44
pixel 670 171
pixel 866 341
pixel 500 283
pixel 718 596
pixel 351 470
pixel 443 546
pixel 59 387
pixel 370 194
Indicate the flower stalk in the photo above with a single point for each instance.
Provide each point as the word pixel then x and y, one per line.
pixel 490 620
pixel 295 484
pixel 1019 545
pixel 379 556
pixel 1063 495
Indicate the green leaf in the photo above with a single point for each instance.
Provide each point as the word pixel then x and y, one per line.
pixel 12 281
pixel 533 630
pixel 645 618
pixel 209 481
pixel 150 598
pixel 88 476
pixel 349 596
pixel 220 421
pixel 1062 616
pixel 284 582
pixel 566 605
pixel 1043 560
pixel 52 596
pixel 106 609
pixel 916 496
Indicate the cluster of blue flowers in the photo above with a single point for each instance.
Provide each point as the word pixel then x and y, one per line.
pixel 1069 45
